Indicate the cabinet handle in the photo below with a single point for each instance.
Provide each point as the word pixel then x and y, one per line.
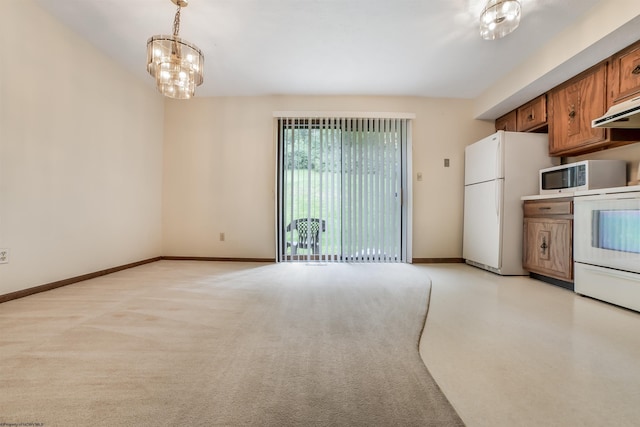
pixel 544 245
pixel 636 70
pixel 544 208
pixel 530 117
pixel 572 113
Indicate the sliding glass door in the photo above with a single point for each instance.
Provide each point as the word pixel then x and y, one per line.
pixel 340 189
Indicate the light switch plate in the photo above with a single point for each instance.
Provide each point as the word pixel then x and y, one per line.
pixel 4 256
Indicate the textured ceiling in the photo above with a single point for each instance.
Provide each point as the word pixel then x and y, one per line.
pixel 325 47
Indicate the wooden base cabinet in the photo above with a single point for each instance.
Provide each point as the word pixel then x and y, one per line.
pixel 548 238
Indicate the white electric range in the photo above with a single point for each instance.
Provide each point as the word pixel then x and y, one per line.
pixel 607 245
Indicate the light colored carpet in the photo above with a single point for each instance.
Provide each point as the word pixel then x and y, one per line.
pixel 223 344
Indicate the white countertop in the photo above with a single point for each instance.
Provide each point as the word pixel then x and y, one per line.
pixel 547 196
pixel 614 190
pixel 626 189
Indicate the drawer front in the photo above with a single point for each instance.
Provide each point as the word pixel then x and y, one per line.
pixel 556 207
pixel 532 114
pixel 616 287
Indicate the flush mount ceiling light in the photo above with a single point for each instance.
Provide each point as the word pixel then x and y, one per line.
pixel 175 63
pixel 499 18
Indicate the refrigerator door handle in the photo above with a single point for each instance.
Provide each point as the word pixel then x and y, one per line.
pixel 497 201
pixel 497 172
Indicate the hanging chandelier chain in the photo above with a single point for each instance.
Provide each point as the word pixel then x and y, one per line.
pixel 176 22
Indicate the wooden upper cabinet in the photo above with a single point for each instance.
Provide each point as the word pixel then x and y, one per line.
pixel 507 122
pixel 566 111
pixel 624 74
pixel 532 115
pixel 572 106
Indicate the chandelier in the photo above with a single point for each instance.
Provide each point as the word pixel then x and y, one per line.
pixel 175 63
pixel 499 18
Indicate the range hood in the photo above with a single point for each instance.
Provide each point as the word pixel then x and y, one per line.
pixel 624 115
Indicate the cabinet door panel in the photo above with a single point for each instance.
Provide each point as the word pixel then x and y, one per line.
pixel 532 115
pixel 548 247
pixel 624 74
pixel 572 107
pixel 508 122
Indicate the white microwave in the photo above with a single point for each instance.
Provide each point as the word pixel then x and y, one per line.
pixel 584 175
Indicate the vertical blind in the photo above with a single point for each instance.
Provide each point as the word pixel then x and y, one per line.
pixel 340 186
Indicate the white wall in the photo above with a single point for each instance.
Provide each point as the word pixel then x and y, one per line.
pixel 219 171
pixel 80 155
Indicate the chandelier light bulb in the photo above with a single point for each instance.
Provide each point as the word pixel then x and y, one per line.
pixel 499 18
pixel 175 63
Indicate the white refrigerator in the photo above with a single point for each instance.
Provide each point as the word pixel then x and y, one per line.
pixel 498 171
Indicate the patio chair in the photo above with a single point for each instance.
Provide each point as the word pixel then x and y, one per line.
pixel 308 230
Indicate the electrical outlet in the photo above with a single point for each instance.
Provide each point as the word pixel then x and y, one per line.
pixel 222 237
pixel 4 256
pixel 446 163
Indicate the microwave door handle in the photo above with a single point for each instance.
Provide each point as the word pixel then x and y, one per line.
pixel 572 180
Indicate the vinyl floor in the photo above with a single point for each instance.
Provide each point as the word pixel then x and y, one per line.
pixel 514 351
